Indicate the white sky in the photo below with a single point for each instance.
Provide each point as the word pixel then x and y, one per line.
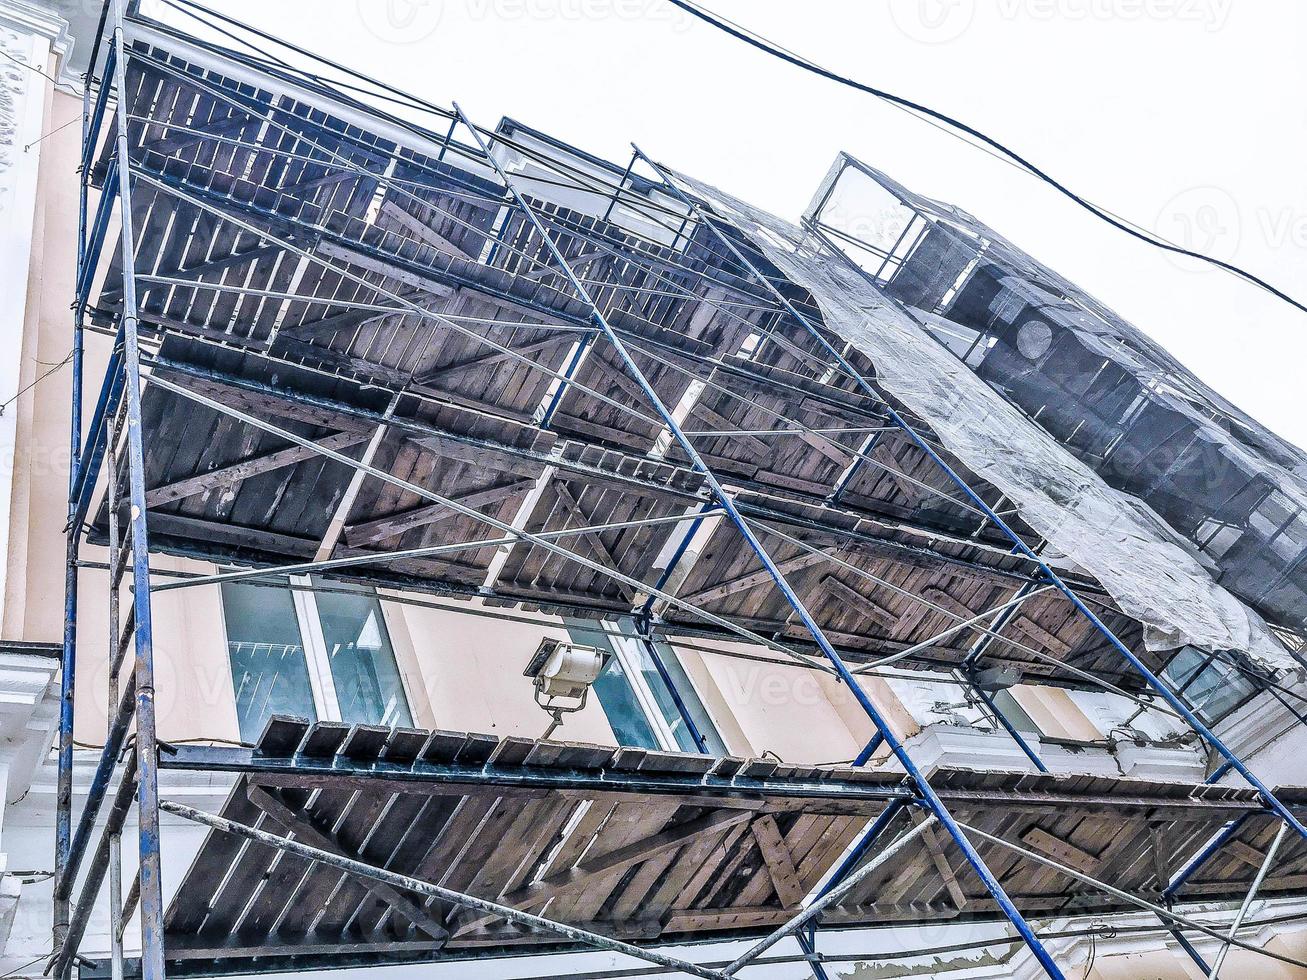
pixel 1186 116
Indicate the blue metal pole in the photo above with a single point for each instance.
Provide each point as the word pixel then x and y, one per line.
pixel 1010 728
pixel 68 655
pixel 984 642
pixel 929 797
pixel 682 708
pixel 1268 797
pixel 1219 773
pixel 1202 857
pixel 869 749
pixel 808 943
pixel 151 885
pixel 1189 948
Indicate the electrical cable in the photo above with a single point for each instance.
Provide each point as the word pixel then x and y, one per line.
pixel 36 381
pixel 957 125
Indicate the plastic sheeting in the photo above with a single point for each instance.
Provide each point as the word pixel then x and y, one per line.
pixel 1153 575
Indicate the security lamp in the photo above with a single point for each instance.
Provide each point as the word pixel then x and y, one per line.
pixel 998 678
pixel 563 673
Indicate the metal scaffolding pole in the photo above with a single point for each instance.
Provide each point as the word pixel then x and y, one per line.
pixel 1268 796
pixel 147 742
pixel 1167 915
pixel 363 870
pixel 1253 889
pixel 929 797
pixel 827 899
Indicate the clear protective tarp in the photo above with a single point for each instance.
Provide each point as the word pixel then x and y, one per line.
pixel 1154 575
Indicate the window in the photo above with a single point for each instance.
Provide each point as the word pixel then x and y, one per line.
pixel 311 654
pixel 363 668
pixel 1015 715
pixel 1211 688
pixel 636 700
pixel 268 667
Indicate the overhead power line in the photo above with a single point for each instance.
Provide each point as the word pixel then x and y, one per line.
pixel 959 127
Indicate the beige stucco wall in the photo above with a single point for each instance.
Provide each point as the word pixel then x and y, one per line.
pixel 768 705
pixel 460 672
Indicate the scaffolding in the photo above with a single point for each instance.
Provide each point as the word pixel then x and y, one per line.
pixel 384 341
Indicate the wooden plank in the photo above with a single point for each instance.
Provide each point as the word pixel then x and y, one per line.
pixel 780 863
pixel 247 468
pixel 535 895
pixel 870 608
pixel 1041 840
pixel 426 234
pixel 393 525
pixel 307 833
pixel 754 579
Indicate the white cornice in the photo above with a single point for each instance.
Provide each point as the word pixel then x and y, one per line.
pixel 28 18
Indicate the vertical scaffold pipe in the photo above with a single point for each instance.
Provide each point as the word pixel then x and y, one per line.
pixel 929 798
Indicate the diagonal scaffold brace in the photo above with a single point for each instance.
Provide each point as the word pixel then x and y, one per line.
pixel 929 799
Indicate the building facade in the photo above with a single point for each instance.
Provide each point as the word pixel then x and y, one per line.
pixel 695 643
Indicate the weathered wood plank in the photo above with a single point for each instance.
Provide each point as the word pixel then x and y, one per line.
pixel 780 863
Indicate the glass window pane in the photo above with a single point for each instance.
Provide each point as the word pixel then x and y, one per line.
pixel 368 686
pixel 1016 715
pixel 268 667
pixel 613 689
pixel 689 697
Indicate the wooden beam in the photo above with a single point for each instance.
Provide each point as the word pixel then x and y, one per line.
pixel 941 862
pixel 247 468
pixel 868 607
pixel 585 258
pixel 340 253
pixel 490 360
pixel 1246 853
pixel 310 834
pixel 1042 637
pixel 193 273
pixel 780 863
pixel 592 538
pixel 1161 856
pixel 258 403
pixel 754 579
pixel 479 457
pixel 1059 850
pixel 755 445
pixel 535 895
pixel 426 234
pixel 393 525
pixel 218 532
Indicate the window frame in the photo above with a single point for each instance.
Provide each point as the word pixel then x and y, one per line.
pixel 317 655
